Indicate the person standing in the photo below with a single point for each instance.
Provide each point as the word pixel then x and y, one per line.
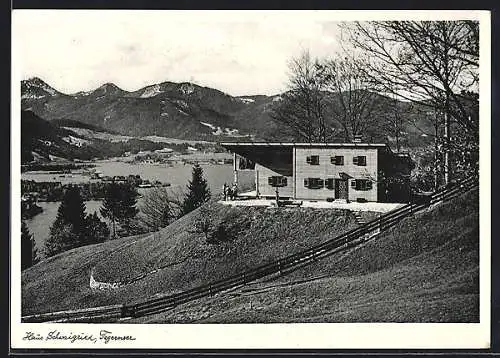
pixel 234 191
pixel 224 190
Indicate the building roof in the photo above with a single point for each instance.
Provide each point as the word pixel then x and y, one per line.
pixel 297 144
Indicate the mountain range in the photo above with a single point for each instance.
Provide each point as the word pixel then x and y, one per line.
pixel 67 140
pixel 183 111
pixel 176 110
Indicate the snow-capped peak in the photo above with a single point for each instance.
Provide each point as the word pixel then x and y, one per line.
pixel 187 88
pixel 82 93
pixel 151 91
pixel 36 88
pixel 108 87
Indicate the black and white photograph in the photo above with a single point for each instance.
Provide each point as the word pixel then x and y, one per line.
pixel 248 179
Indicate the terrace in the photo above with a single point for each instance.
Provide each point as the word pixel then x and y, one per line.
pixel 249 199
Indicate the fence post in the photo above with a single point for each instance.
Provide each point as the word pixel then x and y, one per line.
pixel 279 267
pixel 123 311
pixel 128 311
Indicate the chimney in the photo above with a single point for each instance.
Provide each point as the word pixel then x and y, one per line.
pixel 357 138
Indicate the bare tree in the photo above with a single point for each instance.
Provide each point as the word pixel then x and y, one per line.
pixel 205 222
pixel 395 118
pixel 432 63
pixel 159 207
pixel 427 62
pixel 395 123
pixel 301 111
pixel 352 102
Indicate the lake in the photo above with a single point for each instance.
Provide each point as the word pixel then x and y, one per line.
pixel 178 176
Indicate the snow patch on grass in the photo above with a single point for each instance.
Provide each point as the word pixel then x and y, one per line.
pixel 187 88
pixel 31 96
pixel 211 126
pixel 91 134
pixel 216 130
pixel 76 141
pixel 151 91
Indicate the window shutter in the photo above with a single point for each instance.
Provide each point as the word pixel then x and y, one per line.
pixel 278 181
pixel 337 160
pixel 369 185
pixel 321 183
pixel 313 159
pixel 355 160
pixel 306 183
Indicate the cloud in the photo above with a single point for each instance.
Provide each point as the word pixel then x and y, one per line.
pixel 236 52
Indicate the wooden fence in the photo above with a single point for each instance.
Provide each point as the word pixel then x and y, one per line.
pixel 283 265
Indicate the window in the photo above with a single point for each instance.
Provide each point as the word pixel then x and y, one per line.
pixel 314 183
pixel 362 184
pixel 337 160
pixel 359 160
pixel 277 181
pixel 245 163
pixel 313 159
pixel 330 183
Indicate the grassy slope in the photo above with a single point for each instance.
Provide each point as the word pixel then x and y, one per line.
pixel 426 269
pixel 62 282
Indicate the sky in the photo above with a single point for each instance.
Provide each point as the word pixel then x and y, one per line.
pixel 237 52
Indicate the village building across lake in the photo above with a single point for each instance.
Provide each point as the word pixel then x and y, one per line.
pixel 361 172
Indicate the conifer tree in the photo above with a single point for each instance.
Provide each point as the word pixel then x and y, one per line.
pixel 72 209
pixel 29 255
pixel 111 205
pixel 198 192
pixel 119 204
pixel 69 230
pixel 97 231
pixel 62 238
pixel 72 228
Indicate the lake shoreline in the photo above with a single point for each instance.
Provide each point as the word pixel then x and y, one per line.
pixel 178 176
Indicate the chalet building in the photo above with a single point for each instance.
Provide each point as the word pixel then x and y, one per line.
pixel 325 171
